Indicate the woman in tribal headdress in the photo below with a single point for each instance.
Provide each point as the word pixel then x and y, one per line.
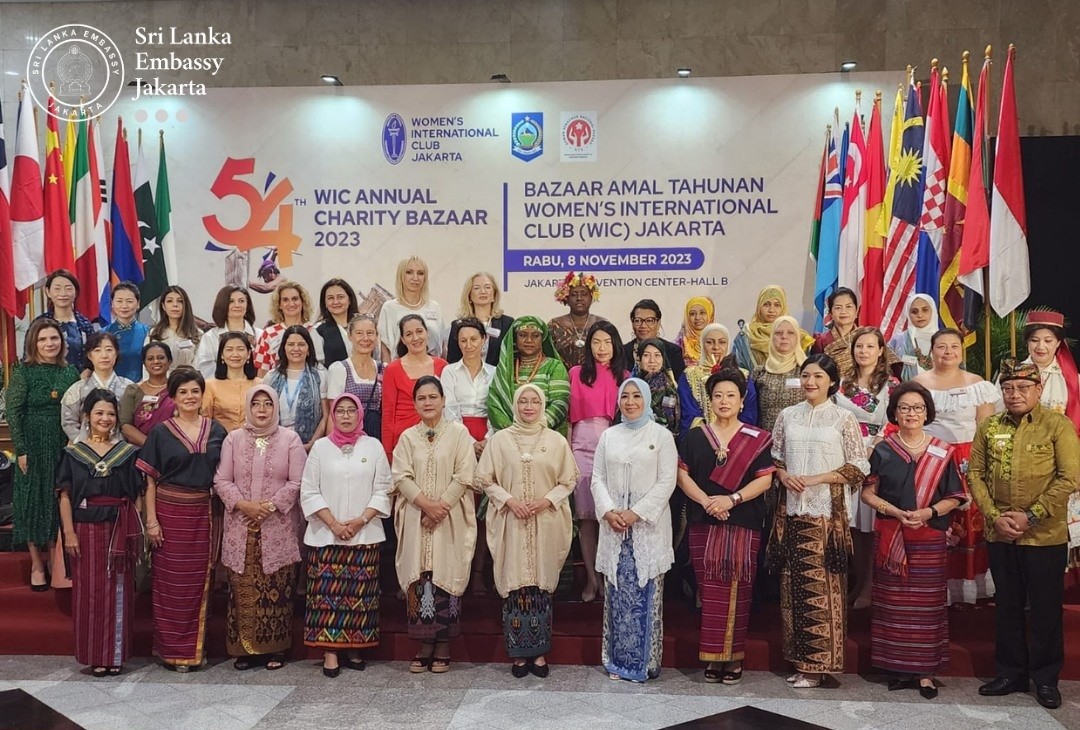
pixel 529 356
pixel 258 479
pixel 578 292
pixel 100 490
pixel 699 311
pixel 528 473
pixel 694 397
pixel 751 346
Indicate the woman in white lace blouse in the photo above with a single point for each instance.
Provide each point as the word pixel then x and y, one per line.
pixel 821 461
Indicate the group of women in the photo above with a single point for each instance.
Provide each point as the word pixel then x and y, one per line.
pixel 824 457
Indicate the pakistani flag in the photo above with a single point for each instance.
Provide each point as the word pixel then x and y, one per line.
pixel 164 217
pixel 154 279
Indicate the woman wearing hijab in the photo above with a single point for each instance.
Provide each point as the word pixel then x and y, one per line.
pixel 653 367
pixel 528 474
pixel 258 480
pixel 633 477
pixel 345 487
pixel 529 356
pixel 777 380
pixel 913 345
pixel 694 397
pixel 751 346
pixel 699 312
pixel 435 522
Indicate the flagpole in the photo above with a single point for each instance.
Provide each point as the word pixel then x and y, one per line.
pixel 4 337
pixel 988 365
pixel 1012 315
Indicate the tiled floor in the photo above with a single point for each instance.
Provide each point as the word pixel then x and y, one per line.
pixel 148 697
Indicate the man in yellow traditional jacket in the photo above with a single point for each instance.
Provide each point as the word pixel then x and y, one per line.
pixel 1023 466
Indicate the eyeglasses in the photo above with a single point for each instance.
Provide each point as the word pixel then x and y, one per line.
pixel 911 409
pixel 1014 389
pixel 650 321
pixel 345 412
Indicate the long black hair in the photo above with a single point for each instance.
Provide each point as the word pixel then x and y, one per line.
pixel 402 349
pixel 221 372
pixel 618 354
pixel 282 360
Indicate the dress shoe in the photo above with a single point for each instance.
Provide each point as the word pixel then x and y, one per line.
pixel 519 670
pixel 1048 697
pixel 896 683
pixel 539 670
pixel 928 691
pixel 1003 686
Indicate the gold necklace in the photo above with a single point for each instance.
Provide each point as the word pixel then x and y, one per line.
pixel 95 438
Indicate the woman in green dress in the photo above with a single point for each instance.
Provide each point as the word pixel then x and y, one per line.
pixel 37 384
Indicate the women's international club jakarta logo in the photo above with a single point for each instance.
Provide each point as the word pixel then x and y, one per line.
pixel 85 65
pixel 527 135
pixel 394 135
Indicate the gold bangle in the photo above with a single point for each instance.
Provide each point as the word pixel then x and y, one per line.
pixel 882 508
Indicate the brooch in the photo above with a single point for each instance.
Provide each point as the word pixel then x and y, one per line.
pixel 101 469
pixel 261 443
pixel 54 394
pixel 363 459
pixel 347 449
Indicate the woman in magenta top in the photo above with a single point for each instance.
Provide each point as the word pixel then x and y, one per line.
pixel 594 391
pixel 398 409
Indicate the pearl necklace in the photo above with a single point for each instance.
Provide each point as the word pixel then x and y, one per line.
pixel 908 446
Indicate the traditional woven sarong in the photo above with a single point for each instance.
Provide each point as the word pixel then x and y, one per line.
pixel 182 568
pixel 726 590
pixel 633 636
pixel 527 622
pixel 102 597
pixel 910 626
pixel 343 597
pixel 259 619
pixel 434 614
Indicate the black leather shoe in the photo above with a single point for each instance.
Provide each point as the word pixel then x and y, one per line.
pixel 1048 697
pixel 928 691
pixel 519 670
pixel 539 670
pixel 896 683
pixel 1003 686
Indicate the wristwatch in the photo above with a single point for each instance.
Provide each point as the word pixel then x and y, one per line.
pixel 1032 518
pixel 933 513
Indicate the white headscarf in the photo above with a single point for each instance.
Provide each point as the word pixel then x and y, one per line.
pixel 921 335
pixel 708 330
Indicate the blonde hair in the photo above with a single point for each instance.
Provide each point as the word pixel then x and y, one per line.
pixel 465 309
pixel 399 282
pixel 275 302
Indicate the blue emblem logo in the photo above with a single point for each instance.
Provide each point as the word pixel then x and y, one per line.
pixel 527 135
pixel 394 136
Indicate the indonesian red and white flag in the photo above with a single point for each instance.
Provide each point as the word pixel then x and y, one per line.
pixel 853 218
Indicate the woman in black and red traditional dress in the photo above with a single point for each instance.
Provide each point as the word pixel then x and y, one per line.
pixel 913 485
pixel 179 458
pixel 99 491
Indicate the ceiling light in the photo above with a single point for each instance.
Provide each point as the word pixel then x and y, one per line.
pixel 332 80
pixel 684 73
pixel 847 66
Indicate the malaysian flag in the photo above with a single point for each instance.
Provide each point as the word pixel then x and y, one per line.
pixel 903 239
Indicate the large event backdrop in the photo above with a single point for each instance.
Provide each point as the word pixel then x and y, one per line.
pixel 667 188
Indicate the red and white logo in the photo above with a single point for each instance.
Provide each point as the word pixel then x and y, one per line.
pixel 578 139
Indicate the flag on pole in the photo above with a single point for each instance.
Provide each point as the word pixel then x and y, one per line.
pixel 58 251
pixel 8 298
pixel 163 205
pixel 832 204
pixel 82 213
pixel 903 238
pixel 873 247
pixel 950 293
pixel 102 238
pixel 896 128
pixel 27 205
pixel 819 192
pixel 126 254
pixel 67 154
pixel 1010 273
pixel 935 170
pixel 853 218
pixel 153 258
pixel 975 244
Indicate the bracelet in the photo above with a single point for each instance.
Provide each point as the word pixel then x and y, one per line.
pixel 736 499
pixel 933 513
pixel 882 508
pixel 152 525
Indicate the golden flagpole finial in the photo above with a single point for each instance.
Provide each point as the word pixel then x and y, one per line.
pixel 877 96
pixel 988 53
pixel 1012 51
pixel 965 56
pixel 944 74
pixel 933 63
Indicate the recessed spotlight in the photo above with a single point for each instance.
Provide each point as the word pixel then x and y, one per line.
pixel 684 73
pixel 848 66
pixel 12 73
pixel 332 80
pixel 500 78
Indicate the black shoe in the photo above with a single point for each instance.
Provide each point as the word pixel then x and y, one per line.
pixel 1003 686
pixel 539 670
pixel 928 692
pixel 1048 697
pixel 519 670
pixel 896 683
pixel 331 673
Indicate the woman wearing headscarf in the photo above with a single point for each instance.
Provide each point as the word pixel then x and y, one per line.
pixel 693 396
pixel 258 480
pixel 653 367
pixel 751 346
pixel 435 523
pixel 345 487
pixel 913 345
pixel 100 489
pixel 699 311
pixel 777 381
pixel 724 469
pixel 528 474
pixel 529 356
pixel 633 477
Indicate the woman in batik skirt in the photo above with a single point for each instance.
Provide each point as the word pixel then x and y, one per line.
pixel 633 477
pixel 528 473
pixel 435 522
pixel 344 489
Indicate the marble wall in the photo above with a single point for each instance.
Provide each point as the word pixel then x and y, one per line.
pixel 292 42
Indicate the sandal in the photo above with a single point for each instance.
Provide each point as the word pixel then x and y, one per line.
pixel 99 671
pixel 794 678
pixel 355 663
pixel 244 663
pixel 419 664
pixel 805 682
pixel 729 677
pixel 115 671
pixel 275 662
pixel 440 664
pixel 712 675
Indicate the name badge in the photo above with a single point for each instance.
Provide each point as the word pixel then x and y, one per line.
pixel 936 451
pixel 431 315
pixel 185 344
pixel 909 360
pixel 749 431
pixel 668 401
pixel 150 399
pixel 494 331
pixel 793 383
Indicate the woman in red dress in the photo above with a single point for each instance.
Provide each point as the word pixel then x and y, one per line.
pixel 398 410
